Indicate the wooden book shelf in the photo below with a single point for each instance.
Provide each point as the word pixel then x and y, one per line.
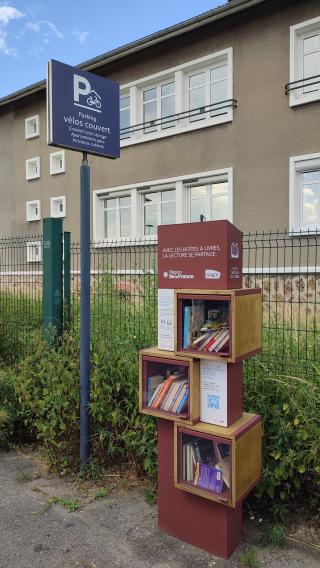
pixel 235 452
pixel 240 313
pixel 155 364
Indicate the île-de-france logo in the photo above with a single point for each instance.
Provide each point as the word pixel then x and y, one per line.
pixel 84 96
pixel 235 250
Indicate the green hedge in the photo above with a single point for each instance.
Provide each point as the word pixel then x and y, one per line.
pixel 43 392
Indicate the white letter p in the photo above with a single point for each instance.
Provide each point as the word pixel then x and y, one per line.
pixel 81 86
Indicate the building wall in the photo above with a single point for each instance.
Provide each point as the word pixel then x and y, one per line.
pixel 264 134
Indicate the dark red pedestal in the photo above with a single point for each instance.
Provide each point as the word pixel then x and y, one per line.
pixel 190 518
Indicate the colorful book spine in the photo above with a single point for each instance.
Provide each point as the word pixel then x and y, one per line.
pixel 183 401
pixel 186 327
pixel 166 386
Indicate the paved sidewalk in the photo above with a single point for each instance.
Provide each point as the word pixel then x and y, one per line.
pixel 119 531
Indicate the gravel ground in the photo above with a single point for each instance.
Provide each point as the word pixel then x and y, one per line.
pixel 117 531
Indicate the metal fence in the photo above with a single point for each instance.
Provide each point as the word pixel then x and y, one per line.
pixel 124 294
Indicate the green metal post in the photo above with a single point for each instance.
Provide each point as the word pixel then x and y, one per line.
pixel 52 278
pixel 67 279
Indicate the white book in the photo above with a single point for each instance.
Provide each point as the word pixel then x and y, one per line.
pixel 213 392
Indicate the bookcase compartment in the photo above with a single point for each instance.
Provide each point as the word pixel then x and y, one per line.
pixel 224 324
pixel 221 464
pixel 169 386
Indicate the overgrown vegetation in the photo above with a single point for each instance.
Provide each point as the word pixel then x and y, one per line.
pixel 43 391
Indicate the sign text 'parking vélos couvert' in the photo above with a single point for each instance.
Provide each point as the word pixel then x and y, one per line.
pixel 83 111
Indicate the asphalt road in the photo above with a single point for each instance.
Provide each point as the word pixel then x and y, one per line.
pixel 118 531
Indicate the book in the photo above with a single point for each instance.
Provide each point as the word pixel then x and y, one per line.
pixel 188 462
pixel 179 398
pixel 197 317
pixel 223 343
pixel 176 396
pixel 224 465
pixel 219 340
pixel 186 327
pixel 204 450
pixel 152 383
pixel 168 400
pixel 208 477
pixel 165 387
pixel 155 394
pixel 183 401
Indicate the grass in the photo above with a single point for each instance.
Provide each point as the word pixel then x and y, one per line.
pixel 273 535
pixel 102 493
pixel 71 505
pixel 249 559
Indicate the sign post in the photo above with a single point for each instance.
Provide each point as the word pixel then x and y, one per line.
pixel 83 115
pixel 85 311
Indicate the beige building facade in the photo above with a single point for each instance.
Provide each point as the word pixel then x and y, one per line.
pixel 209 131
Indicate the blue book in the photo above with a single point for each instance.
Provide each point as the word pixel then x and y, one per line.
pixel 186 327
pixel 183 401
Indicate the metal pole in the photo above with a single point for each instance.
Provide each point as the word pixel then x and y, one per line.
pixel 85 312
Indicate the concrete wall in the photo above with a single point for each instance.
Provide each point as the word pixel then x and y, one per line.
pixel 265 131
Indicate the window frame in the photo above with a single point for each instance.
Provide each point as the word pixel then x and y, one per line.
pixel 208 183
pixel 117 196
pixel 31 245
pixel 35 160
pixel 58 199
pixel 179 75
pixel 297 34
pixel 55 156
pixel 158 86
pixel 297 166
pixel 125 95
pixel 158 190
pixel 137 192
pixel 30 216
pixel 36 134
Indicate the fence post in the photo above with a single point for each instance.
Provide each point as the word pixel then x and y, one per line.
pixel 52 278
pixel 67 279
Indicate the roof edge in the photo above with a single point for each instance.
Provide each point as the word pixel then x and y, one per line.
pixel 148 41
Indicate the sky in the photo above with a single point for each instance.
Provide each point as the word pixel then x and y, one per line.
pixel 73 31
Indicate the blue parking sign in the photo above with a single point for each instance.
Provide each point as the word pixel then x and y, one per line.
pixel 82 111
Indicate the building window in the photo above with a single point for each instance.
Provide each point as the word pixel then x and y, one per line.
pixel 305 193
pixel 32 168
pixel 208 201
pixel 117 217
pixel 304 86
pixel 32 127
pixel 135 211
pixel 57 163
pixel 206 90
pixel 33 210
pixel 34 251
pixel 124 117
pixel 158 105
pixel 58 206
pixel 193 95
pixel 159 208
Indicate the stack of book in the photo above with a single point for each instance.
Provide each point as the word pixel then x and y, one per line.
pixel 212 338
pixel 206 464
pixel 208 335
pixel 171 394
